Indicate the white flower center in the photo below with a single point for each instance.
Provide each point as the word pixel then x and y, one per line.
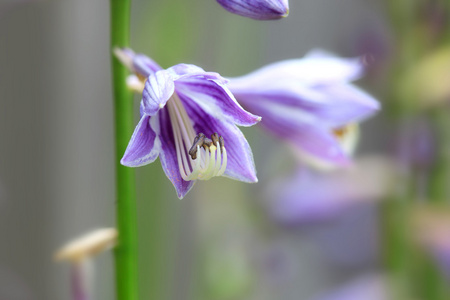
pixel 198 157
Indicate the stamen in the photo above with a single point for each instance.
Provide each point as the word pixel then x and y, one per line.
pixel 198 141
pixel 203 158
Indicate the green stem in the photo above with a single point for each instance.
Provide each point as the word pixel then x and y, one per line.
pixel 439 192
pixel 126 250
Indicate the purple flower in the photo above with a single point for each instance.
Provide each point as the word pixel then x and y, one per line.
pixel 367 287
pixel 181 106
pixel 432 231
pixel 310 196
pixel 257 9
pixel 308 102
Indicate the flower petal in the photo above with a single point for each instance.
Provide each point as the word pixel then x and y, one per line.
pixel 332 105
pixel 306 71
pixel 144 145
pixel 125 56
pixel 182 69
pixel 144 65
pixel 215 99
pixel 157 91
pixel 257 9
pixel 301 129
pixel 168 156
pixel 137 63
pixel 240 165
pixel 343 104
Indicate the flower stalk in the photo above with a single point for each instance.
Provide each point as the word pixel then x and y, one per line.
pixel 126 250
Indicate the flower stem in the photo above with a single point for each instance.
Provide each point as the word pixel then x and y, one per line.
pixel 439 192
pixel 126 250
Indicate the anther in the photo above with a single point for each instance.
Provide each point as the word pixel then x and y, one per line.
pixel 215 138
pixel 221 143
pixel 207 143
pixel 198 141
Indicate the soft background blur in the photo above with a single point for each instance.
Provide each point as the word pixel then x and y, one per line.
pixel 219 243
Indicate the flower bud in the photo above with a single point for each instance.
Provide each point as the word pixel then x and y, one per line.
pixel 257 9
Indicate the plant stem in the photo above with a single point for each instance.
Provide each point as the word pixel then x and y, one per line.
pixel 126 250
pixel 439 193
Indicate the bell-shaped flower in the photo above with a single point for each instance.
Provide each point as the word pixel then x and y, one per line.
pixel 309 102
pixel 257 9
pixel 180 108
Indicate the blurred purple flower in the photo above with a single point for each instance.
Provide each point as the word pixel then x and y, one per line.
pixel 368 287
pixel 308 102
pixel 309 195
pixel 432 231
pixel 178 105
pixel 257 9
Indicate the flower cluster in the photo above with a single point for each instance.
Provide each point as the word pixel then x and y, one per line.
pixel 309 102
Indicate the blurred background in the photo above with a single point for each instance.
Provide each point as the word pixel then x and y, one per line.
pixel 226 240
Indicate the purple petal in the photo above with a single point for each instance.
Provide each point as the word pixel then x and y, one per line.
pixel 168 156
pixel 306 71
pixel 332 105
pixel 342 104
pixel 183 69
pixel 144 145
pixel 144 65
pixel 215 99
pixel 368 287
pixel 240 165
pixel 301 129
pixel 158 89
pixel 137 63
pixel 257 9
pixel 125 56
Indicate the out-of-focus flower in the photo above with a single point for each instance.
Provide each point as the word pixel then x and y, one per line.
pixel 309 103
pixel 178 106
pixel 79 253
pixel 432 231
pixel 367 287
pixel 309 195
pixel 257 9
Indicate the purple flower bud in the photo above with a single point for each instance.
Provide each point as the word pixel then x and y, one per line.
pixel 257 9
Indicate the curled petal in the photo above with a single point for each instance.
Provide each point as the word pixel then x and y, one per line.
pixel 215 99
pixel 240 165
pixel 257 9
pixel 158 89
pixel 144 145
pixel 183 69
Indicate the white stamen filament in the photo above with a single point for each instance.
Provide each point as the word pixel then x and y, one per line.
pixel 210 162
